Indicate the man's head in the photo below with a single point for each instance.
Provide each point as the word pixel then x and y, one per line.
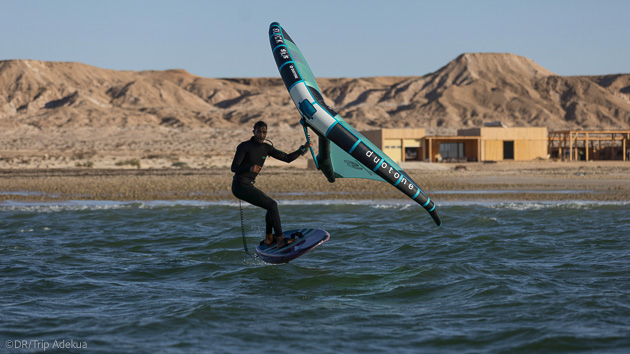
pixel 260 131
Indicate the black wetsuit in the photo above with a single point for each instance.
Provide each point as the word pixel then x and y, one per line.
pixel 248 154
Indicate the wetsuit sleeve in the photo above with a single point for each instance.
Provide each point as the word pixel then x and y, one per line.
pixel 283 156
pixel 238 165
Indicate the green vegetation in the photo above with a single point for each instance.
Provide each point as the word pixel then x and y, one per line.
pixel 131 162
pixel 88 164
pixel 180 164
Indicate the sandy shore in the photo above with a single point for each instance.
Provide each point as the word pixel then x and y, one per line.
pixel 514 181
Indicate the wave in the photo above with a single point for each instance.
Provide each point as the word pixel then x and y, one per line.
pixel 79 205
pixel 538 205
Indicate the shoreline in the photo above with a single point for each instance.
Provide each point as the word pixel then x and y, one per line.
pixel 513 181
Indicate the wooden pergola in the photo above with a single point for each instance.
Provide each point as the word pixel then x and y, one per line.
pixel 589 143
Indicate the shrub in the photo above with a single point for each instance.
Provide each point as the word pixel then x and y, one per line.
pixel 180 164
pixel 131 162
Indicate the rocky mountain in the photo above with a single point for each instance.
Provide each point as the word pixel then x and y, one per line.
pixel 473 89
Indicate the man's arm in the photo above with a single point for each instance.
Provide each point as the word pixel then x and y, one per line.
pixel 283 156
pixel 237 163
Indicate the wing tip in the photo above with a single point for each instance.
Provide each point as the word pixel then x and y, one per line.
pixel 436 218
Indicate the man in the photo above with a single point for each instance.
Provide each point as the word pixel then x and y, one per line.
pixel 248 161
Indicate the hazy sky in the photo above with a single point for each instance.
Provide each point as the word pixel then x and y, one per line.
pixel 338 38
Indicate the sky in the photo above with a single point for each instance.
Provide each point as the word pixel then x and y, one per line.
pixel 339 38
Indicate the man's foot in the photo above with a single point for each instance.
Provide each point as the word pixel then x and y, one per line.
pixel 283 242
pixel 269 240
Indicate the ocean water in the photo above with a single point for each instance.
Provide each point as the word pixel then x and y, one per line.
pixel 172 277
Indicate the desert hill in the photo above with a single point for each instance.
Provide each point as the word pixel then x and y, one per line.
pixel 468 91
pixel 43 104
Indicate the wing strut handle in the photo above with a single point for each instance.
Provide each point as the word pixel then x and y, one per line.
pixel 308 140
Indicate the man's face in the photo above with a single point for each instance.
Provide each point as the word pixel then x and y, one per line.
pixel 260 134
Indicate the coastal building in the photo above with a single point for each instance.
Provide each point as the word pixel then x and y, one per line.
pixel 496 142
pixel 503 143
pixel 489 143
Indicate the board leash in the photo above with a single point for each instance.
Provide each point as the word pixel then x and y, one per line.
pixel 240 206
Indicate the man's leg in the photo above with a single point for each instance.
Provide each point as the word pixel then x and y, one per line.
pixel 258 198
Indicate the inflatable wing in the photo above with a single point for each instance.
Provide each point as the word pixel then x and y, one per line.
pixel 350 155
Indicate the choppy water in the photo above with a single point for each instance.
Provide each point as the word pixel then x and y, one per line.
pixel 173 277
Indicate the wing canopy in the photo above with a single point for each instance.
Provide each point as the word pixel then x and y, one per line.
pixel 343 151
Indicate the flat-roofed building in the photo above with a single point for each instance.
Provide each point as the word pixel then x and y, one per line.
pixel 515 143
pixel 491 143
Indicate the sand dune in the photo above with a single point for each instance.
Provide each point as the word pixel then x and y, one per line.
pixel 55 114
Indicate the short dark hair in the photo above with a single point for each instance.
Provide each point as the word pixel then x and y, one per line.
pixel 260 124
